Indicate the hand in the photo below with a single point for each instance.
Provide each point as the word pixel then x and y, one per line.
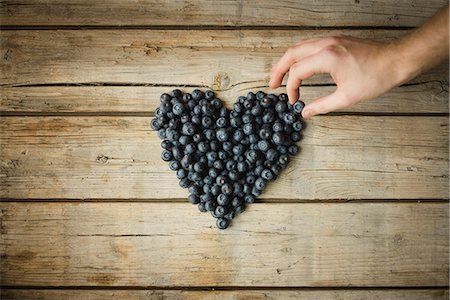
pixel 361 69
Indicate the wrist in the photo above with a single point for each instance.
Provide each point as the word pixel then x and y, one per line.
pixel 402 61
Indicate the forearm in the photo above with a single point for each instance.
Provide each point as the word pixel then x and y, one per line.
pixel 424 48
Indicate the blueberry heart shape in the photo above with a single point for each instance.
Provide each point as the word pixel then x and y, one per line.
pixel 226 158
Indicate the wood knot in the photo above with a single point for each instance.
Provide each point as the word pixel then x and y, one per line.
pixel 221 81
pixel 102 159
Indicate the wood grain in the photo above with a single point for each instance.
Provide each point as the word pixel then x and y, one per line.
pixel 342 157
pixel 431 97
pixel 228 13
pixel 349 294
pixel 164 244
pixel 218 59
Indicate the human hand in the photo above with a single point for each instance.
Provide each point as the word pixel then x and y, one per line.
pixel 361 69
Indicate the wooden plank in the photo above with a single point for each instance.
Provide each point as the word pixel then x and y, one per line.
pixel 342 157
pixel 228 13
pixel 219 59
pixel 431 97
pixel 349 294
pixel 172 244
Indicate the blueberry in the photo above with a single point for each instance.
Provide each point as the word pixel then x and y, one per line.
pixel 196 190
pixel 296 136
pixel 203 147
pixel 177 108
pixel 174 165
pixel 213 172
pixel 185 118
pixel 266 102
pixel 222 155
pixel 222 135
pixel 222 199
pixel 238 149
pixel 293 150
pixel 207 122
pixel 212 156
pixel 298 106
pixel 184 183
pixel 215 190
pixel 249 128
pixel 197 137
pixel 235 202
pixel 210 134
pixel 256 192
pixel 251 96
pixel 268 117
pixel 181 173
pixel 162 133
pixel 187 97
pixel 240 209
pixel 250 179
pixel 235 122
pixel 230 215
pixel 155 124
pixel 281 106
pixel 258 170
pixel 217 103
pixel 220 211
pixel 227 146
pixel 201 207
pixel 209 95
pixel 260 95
pixel 253 139
pixel 257 110
pixel 250 198
pixel 297 126
pixel 275 171
pixel 193 199
pixel 188 129
pixel 282 150
pixel 246 189
pixel 289 118
pixel 214 145
pixel 197 94
pixel 241 167
pixel 238 107
pixel 265 133
pixel 195 119
pixel 263 145
pixel 206 187
pixel 223 112
pixel 222 223
pixel 272 154
pixel 221 180
pixel 208 109
pixel 227 189
pixel 177 153
pixel 165 107
pixel 176 93
pixel 233 175
pixel 166 155
pixel 267 174
pixel 190 149
pixel 221 122
pixel 165 98
pixel 166 144
pixel 283 97
pixel 219 165
pixel 283 160
pixel 278 138
pixel 199 167
pixel 237 188
pixel 209 205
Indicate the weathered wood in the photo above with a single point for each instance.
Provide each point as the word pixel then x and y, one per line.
pixel 342 157
pixel 406 294
pixel 218 59
pixel 429 97
pixel 229 13
pixel 172 244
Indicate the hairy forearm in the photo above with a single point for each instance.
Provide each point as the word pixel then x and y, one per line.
pixel 423 48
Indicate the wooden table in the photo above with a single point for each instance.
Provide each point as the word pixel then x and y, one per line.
pixel 361 213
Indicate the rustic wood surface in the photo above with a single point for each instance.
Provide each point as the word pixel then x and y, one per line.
pixel 425 98
pixel 218 59
pixel 222 13
pixel 342 157
pixel 341 294
pixel 173 244
pixel 87 201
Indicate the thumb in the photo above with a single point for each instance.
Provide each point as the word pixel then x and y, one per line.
pixel 325 105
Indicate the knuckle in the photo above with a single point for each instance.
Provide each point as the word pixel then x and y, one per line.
pixel 330 53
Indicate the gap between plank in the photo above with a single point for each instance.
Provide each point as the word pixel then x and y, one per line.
pixel 197 27
pixel 221 288
pixel 183 200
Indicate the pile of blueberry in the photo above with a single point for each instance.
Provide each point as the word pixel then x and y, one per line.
pixel 226 158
